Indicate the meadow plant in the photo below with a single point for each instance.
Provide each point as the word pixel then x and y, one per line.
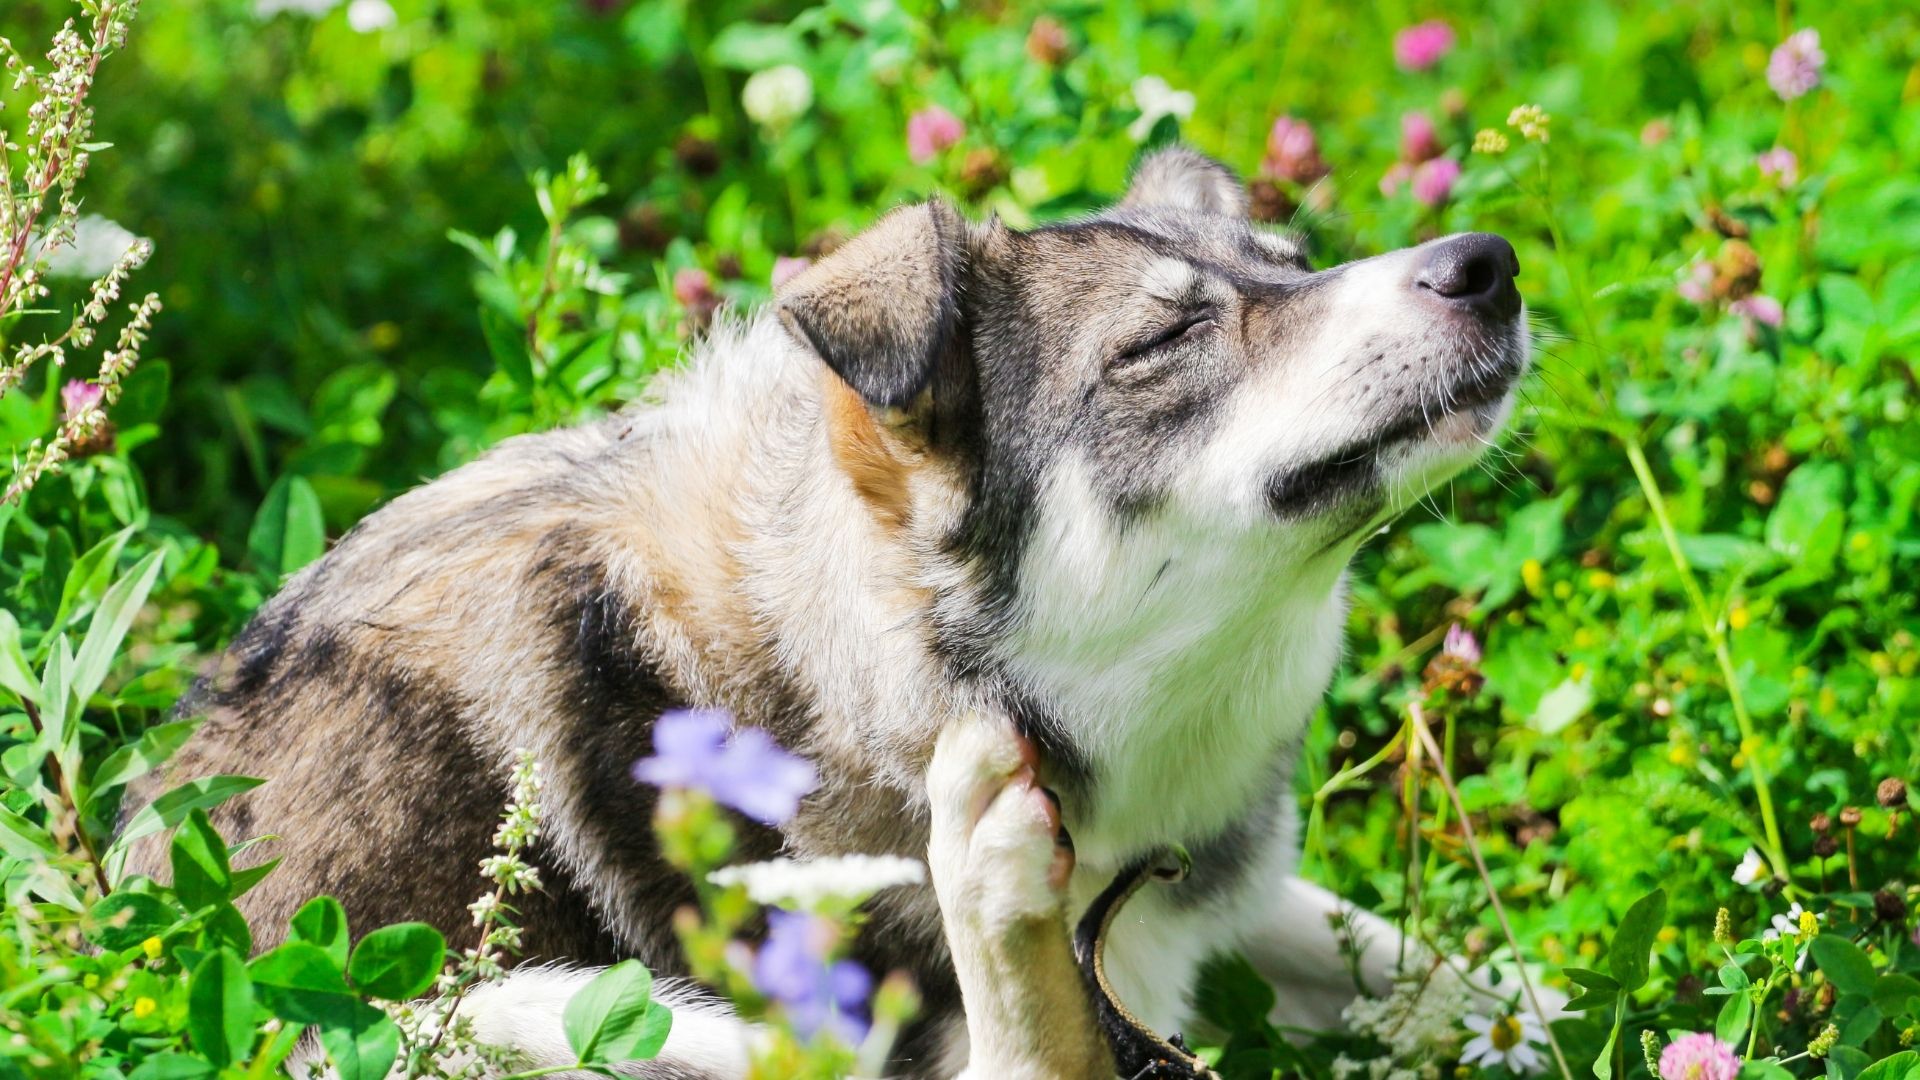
pixel 42 162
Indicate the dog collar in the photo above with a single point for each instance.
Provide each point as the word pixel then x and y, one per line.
pixel 1138 1051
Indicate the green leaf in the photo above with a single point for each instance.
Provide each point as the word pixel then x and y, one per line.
pixel 1233 996
pixel 612 1018
pixel 201 874
pixel 508 344
pixel 1597 990
pixel 125 919
pixel 155 746
pixel 16 675
pixel 1902 1066
pixel 89 577
pixel 220 1008
pixel 22 839
pixel 111 621
pixel 301 984
pixel 1734 1019
pixel 289 531
pixel 172 1066
pixel 246 878
pixel 173 807
pixel 322 922
pixel 364 1047
pixel 1897 994
pixel 398 962
pixel 1603 1065
pixel 1763 1070
pixel 1563 705
pixel 1846 967
pixel 1627 956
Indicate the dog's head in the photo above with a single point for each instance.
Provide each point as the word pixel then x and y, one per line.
pixel 1169 362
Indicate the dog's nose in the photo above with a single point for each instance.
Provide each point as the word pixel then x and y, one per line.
pixel 1473 271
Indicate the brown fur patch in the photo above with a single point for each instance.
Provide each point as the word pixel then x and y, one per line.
pixel 867 453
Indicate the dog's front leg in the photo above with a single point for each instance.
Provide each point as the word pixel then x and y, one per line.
pixel 1000 865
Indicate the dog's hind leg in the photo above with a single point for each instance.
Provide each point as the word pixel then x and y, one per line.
pixel 1000 864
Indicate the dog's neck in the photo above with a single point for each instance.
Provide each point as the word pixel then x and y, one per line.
pixel 1176 662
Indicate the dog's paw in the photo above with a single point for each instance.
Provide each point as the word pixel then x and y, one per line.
pixel 998 854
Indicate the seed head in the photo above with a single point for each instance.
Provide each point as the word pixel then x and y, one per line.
pixel 1892 793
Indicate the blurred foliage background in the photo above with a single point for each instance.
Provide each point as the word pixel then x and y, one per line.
pixel 1691 570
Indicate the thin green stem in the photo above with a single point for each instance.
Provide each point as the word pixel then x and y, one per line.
pixel 1715 632
pixel 1418 722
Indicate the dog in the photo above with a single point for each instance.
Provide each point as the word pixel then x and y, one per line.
pixel 1009 533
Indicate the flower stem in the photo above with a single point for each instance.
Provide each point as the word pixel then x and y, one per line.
pixel 1717 638
pixel 1418 722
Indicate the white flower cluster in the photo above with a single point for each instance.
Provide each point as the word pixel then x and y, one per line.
pixel 1418 1025
pixel 809 884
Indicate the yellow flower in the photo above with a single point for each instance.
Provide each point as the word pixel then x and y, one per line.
pixel 1489 141
pixel 1562 590
pixel 1532 120
pixel 1738 617
pixel 1599 579
pixel 1533 575
pixel 143 1007
pixel 152 947
pixel 1809 924
pixel 1669 934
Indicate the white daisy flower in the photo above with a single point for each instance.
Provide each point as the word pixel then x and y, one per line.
pixel 1155 99
pixel 1752 869
pixel 1512 1041
pixel 807 884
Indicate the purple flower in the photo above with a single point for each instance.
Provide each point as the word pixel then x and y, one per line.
pixel 792 968
pixel 1780 164
pixel 1418 140
pixel 1433 181
pixel 749 771
pixel 1421 46
pixel 1293 153
pixel 1759 308
pixel 1698 1056
pixel 79 397
pixel 788 267
pixel 930 131
pixel 1794 68
pixel 1461 644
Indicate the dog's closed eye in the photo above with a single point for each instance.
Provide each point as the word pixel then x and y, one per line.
pixel 1188 326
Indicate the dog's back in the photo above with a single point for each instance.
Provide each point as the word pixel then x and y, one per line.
pixel 557 594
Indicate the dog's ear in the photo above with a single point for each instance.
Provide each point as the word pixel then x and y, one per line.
pixel 1186 180
pixel 881 309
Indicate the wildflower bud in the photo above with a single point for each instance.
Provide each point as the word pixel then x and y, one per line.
pixel 697 155
pixel 1820 824
pixel 1822 1043
pixel 1892 793
pixel 1047 41
pixel 930 131
pixel 1489 141
pixel 1736 270
pixel 1268 202
pixel 1825 846
pixel 1722 928
pixel 1850 816
pixel 1293 152
pixel 1889 906
pixel 778 96
pixel 1650 1044
pixel 981 171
